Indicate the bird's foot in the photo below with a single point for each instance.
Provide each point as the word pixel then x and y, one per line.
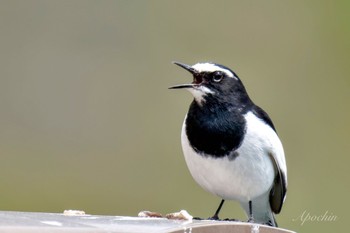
pixel 215 218
pixel 231 220
pixel 251 220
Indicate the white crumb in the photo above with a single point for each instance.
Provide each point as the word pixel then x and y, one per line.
pixel 149 214
pixel 73 212
pixel 182 215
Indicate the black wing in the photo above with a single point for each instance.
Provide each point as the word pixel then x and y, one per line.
pixel 279 188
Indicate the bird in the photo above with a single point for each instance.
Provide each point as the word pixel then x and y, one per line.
pixel 231 146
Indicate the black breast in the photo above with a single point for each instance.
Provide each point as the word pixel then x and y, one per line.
pixel 214 132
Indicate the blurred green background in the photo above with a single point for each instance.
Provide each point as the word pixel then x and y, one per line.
pixel 87 121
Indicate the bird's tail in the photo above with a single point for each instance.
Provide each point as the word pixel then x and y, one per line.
pixel 273 220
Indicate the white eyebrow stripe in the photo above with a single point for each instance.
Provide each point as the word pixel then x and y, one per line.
pixel 210 67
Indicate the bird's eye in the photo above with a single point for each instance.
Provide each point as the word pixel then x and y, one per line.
pixel 217 76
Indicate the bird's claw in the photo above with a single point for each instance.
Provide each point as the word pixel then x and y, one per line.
pixel 215 218
pixel 251 220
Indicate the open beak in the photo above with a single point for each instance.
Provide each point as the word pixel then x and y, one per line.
pixel 189 69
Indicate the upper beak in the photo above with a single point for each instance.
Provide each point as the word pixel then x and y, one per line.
pixel 189 69
pixel 186 67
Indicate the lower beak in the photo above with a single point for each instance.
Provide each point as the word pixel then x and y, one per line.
pixel 182 86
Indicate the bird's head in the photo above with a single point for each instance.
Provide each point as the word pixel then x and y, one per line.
pixel 212 81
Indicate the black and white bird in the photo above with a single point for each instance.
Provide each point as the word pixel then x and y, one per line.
pixel 230 144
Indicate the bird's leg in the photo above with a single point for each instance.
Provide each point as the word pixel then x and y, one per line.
pixel 216 215
pixel 251 218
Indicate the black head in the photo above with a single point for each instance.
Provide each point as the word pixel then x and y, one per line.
pixel 213 83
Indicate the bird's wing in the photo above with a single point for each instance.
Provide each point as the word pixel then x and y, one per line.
pixel 279 188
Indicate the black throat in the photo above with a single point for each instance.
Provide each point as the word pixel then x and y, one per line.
pixel 217 128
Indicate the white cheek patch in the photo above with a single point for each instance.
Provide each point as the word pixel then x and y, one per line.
pixel 210 67
pixel 199 92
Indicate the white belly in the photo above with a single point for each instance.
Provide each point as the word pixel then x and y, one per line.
pixel 244 178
